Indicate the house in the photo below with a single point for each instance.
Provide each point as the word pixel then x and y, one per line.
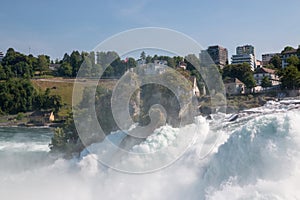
pixel 158 67
pixel 141 62
pixel 160 62
pixel 259 63
pixel 285 55
pixel 262 72
pixel 234 86
pixel 54 67
pixel 182 65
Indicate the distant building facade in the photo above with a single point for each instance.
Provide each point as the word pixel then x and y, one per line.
pixel 234 86
pixel 244 58
pixel 204 58
pixel 259 63
pixel 262 72
pixel 54 67
pixel 285 55
pixel 266 58
pixel 158 67
pixel 246 49
pixel 1 56
pixel 219 55
pixel 245 54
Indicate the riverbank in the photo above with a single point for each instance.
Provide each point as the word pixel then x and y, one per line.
pixel 238 103
pixel 235 104
pixel 25 120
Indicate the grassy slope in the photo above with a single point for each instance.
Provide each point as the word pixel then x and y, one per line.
pixel 64 88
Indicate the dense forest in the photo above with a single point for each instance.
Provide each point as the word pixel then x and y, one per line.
pixel 17 93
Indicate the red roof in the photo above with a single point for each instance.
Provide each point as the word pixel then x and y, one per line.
pixel 263 70
pixel 233 80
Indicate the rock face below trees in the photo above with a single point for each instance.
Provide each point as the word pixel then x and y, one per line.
pixel 141 105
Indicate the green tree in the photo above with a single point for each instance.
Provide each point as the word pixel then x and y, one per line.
pixel 65 69
pixel 2 73
pixel 96 70
pixel 266 82
pixel 131 63
pixel 66 58
pixel 290 78
pixel 249 80
pixel 276 61
pixel 75 61
pixel 241 71
pixel 58 141
pixel 17 95
pixel 148 59
pixel 47 101
pixel 66 138
pixel 86 67
pixel 43 62
pixel 293 60
pixel 17 65
pixel 143 55
pixel 287 48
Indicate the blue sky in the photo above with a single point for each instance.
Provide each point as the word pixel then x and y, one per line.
pixel 54 27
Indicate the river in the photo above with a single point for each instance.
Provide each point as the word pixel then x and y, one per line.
pixel 255 157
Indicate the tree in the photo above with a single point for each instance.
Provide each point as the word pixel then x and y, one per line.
pixel 66 58
pixel 65 69
pixel 2 73
pixel 43 62
pixel 241 71
pixel 16 64
pixel 290 78
pixel 66 138
pixel 287 48
pixel 17 95
pixel 143 55
pixel 86 67
pixel 47 101
pixel 249 80
pixel 96 70
pixel 59 140
pixel 148 59
pixel 276 61
pixel 75 61
pixel 265 82
pixel 131 63
pixel 293 60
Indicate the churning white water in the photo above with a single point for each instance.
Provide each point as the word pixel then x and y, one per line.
pixel 255 157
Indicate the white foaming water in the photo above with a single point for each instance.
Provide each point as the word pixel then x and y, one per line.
pixel 26 146
pixel 256 158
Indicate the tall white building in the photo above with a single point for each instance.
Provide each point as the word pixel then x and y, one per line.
pixel 244 54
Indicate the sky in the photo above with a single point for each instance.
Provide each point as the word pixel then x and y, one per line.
pixel 55 27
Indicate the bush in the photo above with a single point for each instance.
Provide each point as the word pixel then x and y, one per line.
pixel 20 116
pixel 59 140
